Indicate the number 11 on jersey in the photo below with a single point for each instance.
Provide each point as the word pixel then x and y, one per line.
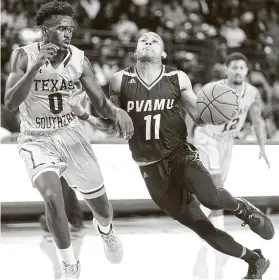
pixel 148 121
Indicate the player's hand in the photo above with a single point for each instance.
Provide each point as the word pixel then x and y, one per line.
pixel 125 124
pixel 48 51
pixel 77 101
pixel 262 154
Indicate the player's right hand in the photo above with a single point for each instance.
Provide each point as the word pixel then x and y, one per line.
pixel 124 123
pixel 48 51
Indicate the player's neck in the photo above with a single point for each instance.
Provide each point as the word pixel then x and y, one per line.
pixel 237 87
pixel 147 67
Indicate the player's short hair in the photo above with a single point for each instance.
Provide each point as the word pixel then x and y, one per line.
pixel 53 8
pixel 235 56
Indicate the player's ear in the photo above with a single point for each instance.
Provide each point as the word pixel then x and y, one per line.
pixel 164 54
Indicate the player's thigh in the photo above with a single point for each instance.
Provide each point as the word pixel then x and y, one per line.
pixel 83 172
pixel 157 179
pixel 196 178
pixel 208 151
pixel 182 206
pixel 40 156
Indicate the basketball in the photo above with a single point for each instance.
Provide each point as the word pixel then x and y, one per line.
pixel 217 103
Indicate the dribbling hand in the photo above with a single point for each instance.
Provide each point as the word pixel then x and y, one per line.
pixel 48 51
pixel 125 124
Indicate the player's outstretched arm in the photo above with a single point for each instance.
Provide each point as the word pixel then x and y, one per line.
pixel 103 105
pixel 77 101
pixel 255 113
pixel 188 98
pixel 20 79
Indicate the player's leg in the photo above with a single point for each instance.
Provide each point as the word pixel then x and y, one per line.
pixel 210 156
pixel 44 167
pixel 83 173
pixel 170 195
pixel 194 218
pixel 199 181
pixel 225 147
pixel 72 206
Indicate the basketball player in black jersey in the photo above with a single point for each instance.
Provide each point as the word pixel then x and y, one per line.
pixel 154 95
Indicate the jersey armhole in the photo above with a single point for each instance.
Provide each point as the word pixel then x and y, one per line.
pixel 28 57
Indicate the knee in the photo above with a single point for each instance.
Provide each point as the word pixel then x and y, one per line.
pixel 53 200
pixel 48 184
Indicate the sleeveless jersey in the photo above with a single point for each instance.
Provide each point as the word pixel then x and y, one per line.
pixel 159 125
pixel 248 96
pixel 46 106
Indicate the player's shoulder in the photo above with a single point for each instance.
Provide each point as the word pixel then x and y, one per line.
pixel 33 47
pixel 116 80
pixel 251 89
pixel 170 71
pixel 76 51
pixel 19 59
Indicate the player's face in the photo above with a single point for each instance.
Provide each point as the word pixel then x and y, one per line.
pixel 150 45
pixel 237 71
pixel 61 31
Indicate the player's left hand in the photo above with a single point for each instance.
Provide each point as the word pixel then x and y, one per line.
pixel 263 155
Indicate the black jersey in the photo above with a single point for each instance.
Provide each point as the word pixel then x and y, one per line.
pixel 159 125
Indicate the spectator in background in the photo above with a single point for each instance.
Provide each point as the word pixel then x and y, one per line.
pixel 126 29
pixel 174 15
pixel 91 7
pixel 233 34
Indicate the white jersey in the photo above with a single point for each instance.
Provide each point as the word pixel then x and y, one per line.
pixel 248 97
pixel 46 106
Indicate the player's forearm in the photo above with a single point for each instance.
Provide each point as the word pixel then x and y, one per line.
pixel 107 109
pixel 259 129
pixel 104 125
pixel 18 93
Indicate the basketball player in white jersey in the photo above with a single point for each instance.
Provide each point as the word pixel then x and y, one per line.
pixel 52 140
pixel 215 142
pixel 153 94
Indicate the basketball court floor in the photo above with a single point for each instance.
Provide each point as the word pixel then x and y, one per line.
pixel 154 248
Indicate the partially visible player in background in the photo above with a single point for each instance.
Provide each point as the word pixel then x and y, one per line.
pixel 215 142
pixel 52 140
pixel 155 95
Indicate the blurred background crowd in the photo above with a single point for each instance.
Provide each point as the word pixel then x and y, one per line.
pixel 198 35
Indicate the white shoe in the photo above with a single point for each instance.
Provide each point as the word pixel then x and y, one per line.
pixel 112 244
pixel 70 271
